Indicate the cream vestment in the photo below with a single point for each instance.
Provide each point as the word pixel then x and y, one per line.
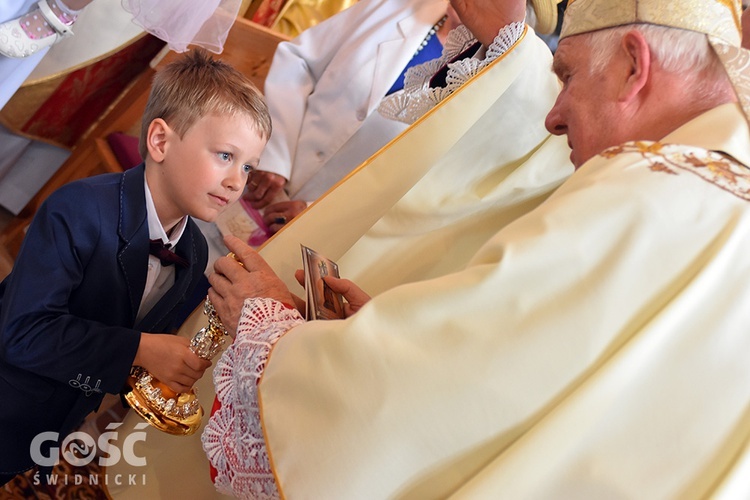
pixel 594 348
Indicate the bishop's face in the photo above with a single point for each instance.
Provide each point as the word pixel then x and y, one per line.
pixel 586 108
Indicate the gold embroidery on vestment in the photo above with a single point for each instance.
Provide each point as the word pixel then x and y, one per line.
pixel 717 168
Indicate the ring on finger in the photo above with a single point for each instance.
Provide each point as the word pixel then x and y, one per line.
pixel 280 219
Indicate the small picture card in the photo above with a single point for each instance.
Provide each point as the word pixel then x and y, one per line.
pixel 322 302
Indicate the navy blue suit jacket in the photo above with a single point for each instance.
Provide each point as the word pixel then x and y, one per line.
pixel 68 331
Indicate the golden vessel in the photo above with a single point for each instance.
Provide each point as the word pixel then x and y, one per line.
pixel 175 413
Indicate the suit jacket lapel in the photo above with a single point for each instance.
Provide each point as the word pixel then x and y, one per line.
pixel 133 232
pixel 134 250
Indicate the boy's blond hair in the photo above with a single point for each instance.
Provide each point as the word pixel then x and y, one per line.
pixel 197 85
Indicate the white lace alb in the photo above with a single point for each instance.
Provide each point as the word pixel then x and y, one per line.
pixel 233 439
pixel 417 97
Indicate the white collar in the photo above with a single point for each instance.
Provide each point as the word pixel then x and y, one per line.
pixel 155 229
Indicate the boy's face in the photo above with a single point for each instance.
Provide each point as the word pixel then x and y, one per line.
pixel 205 171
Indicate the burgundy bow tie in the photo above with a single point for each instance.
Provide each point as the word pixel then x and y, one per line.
pixel 166 256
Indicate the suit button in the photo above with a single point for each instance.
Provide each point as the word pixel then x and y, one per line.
pixel 361 115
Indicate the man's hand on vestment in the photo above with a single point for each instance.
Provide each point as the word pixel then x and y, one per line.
pixel 484 18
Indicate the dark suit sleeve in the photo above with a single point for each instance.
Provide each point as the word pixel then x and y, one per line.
pixel 40 332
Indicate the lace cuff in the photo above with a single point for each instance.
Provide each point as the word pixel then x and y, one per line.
pixel 417 97
pixel 233 439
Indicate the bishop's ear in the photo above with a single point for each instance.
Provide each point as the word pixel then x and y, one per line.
pixel 156 139
pixel 638 59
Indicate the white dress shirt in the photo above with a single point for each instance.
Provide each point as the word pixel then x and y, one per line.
pixel 160 278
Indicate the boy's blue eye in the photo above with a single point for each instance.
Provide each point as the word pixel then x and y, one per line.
pixel 247 168
pixel 225 156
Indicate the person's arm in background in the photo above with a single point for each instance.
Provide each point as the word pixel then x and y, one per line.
pixel 296 68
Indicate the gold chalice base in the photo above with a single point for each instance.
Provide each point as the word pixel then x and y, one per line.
pixel 170 422
pixel 177 414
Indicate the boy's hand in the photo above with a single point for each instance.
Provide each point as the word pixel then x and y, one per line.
pixel 169 359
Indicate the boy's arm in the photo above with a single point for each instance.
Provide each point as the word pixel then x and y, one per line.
pixel 38 332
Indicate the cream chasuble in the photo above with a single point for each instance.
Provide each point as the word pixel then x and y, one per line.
pixel 594 348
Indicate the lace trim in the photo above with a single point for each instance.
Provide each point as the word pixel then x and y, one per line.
pixel 417 97
pixel 233 439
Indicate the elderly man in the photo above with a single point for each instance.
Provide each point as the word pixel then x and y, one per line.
pixel 594 348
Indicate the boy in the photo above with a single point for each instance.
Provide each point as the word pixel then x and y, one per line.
pixel 85 288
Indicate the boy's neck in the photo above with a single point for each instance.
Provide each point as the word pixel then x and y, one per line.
pixel 153 187
pixel 169 230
